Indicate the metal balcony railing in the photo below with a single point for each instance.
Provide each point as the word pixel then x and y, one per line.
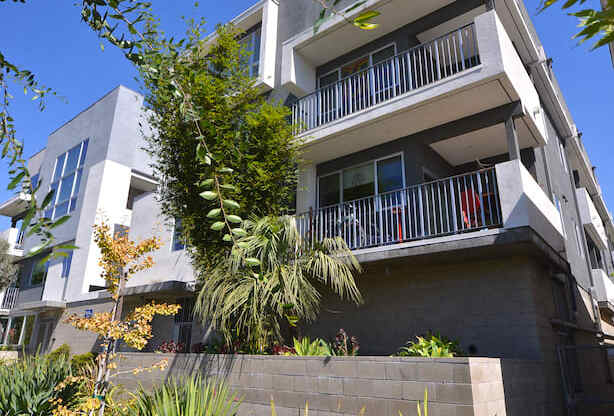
pixel 419 66
pixel 448 206
pixel 9 298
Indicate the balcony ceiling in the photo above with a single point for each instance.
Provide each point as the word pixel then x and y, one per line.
pixel 480 144
pixel 15 206
pixel 338 37
pixel 412 115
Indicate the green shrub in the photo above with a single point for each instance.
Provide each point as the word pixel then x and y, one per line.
pixel 193 396
pixel 305 347
pixel 434 346
pixel 79 361
pixel 28 386
pixel 62 351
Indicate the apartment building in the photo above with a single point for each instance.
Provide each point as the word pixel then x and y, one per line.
pixel 99 171
pixel 439 146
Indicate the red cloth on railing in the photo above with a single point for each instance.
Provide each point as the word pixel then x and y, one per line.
pixel 471 205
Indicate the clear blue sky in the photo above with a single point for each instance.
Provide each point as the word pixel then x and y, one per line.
pixel 48 38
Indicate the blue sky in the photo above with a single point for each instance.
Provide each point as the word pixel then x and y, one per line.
pixel 48 38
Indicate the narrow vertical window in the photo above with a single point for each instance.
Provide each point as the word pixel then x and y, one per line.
pixel 66 181
pixel 178 243
pixel 579 241
pixel 563 156
pixel 66 262
pixel 557 204
pixel 251 43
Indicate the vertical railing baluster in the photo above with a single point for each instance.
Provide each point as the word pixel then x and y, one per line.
pixel 437 61
pixel 479 180
pixel 461 49
pixel 453 204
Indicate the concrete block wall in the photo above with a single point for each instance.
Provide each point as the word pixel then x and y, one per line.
pixel 342 385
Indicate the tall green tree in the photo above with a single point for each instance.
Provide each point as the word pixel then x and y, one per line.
pixel 594 23
pixel 228 149
pixel 254 303
pixel 8 270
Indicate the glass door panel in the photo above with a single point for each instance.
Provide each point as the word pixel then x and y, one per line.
pixel 384 73
pixel 358 182
pixel 329 190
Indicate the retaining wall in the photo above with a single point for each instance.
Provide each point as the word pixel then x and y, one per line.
pixel 344 385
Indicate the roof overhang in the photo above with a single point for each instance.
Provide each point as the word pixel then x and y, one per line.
pixel 40 306
pixel 18 204
pixel 168 287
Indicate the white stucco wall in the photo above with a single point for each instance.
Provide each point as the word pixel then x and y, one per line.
pixel 147 221
pixel 524 204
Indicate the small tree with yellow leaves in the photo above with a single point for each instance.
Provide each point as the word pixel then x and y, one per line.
pixel 120 259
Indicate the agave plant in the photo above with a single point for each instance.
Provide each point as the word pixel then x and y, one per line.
pixel 193 396
pixel 30 385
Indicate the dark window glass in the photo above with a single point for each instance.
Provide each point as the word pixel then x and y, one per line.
pixel 389 174
pixel 178 243
pixel 329 190
pixel 358 182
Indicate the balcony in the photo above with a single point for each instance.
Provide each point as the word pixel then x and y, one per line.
pixel 463 71
pixel 593 225
pixel 8 298
pixel 416 68
pixel 14 237
pixel 504 196
pixel 15 206
pixel 603 290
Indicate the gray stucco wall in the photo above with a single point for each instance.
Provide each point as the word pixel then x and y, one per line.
pixel 562 185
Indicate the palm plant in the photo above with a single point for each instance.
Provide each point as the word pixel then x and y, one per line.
pixel 194 396
pixel 273 276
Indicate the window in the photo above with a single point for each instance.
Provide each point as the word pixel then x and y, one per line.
pixel 563 156
pixel 35 180
pixel 66 262
pixel 376 177
pixel 183 322
pixel 178 243
pixel 16 326
pixel 20 330
pixel 579 241
pixel 557 204
pixel 120 230
pixel 361 64
pixel 66 181
pixel 251 42
pixel 39 273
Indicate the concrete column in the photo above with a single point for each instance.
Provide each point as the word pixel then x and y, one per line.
pixel 512 138
pixel 306 188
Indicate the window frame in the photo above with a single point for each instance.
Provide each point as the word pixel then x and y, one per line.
pixel 563 156
pixel 174 239
pixel 368 54
pixel 77 173
pixel 252 59
pixel 373 162
pixel 32 269
pixel 557 204
pixel 579 240
pixel 66 264
pixel 22 329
